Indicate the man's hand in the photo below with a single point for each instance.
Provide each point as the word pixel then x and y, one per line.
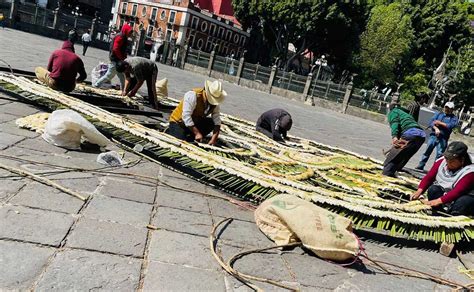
pixel 436 123
pixel 198 137
pixel 394 140
pixel 213 141
pixel 437 131
pixel 416 195
pixel 433 203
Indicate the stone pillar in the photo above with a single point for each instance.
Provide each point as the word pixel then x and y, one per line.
pixel 56 18
pixel 240 69
pixel 93 25
pixel 307 86
pixel 13 11
pixel 184 55
pixel 211 63
pixel 347 97
pixel 272 78
pixel 36 14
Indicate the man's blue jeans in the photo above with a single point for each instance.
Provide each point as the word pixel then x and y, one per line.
pixel 433 141
pixel 111 72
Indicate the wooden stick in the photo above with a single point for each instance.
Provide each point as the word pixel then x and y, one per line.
pixel 42 180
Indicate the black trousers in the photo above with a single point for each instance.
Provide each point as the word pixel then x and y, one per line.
pixel 205 126
pixel 464 205
pixel 398 158
pixel 85 45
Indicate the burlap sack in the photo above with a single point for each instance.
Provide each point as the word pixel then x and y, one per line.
pixel 287 218
pixel 162 88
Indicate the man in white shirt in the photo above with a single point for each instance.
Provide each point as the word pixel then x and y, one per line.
pixel 86 40
pixel 190 120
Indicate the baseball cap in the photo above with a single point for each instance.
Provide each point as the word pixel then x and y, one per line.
pixel 455 150
pixel 449 104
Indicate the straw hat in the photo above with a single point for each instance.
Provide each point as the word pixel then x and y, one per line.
pixel 214 92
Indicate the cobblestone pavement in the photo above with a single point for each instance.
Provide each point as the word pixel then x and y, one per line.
pixel 50 240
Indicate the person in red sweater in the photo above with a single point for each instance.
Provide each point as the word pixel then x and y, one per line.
pixel 62 70
pixel 450 182
pixel 118 52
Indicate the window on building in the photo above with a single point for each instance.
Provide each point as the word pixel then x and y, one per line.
pixel 172 17
pixel 169 34
pixel 149 31
pixel 191 40
pixel 204 26
pixel 242 41
pixel 200 43
pixel 163 14
pixel 212 29
pixel 221 32
pixel 121 23
pixel 154 12
pixel 236 38
pixel 195 22
pixel 229 35
pixel 124 8
pixel 144 11
pixel 209 45
pixel 113 4
pixel 134 9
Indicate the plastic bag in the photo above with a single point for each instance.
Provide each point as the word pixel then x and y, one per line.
pixel 110 158
pixel 65 128
pixel 99 71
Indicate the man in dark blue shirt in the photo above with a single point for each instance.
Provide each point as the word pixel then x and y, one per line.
pixel 442 124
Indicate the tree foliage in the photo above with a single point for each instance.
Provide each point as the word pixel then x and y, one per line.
pixel 385 42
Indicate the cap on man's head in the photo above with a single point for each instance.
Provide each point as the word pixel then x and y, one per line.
pixel 449 104
pixel 455 149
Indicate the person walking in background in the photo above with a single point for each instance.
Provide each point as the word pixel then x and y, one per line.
pixel 275 124
pixel 118 52
pixel 142 70
pixel 407 138
pixel 86 40
pixel 442 124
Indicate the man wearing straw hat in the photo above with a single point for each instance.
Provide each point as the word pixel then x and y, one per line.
pixel 198 114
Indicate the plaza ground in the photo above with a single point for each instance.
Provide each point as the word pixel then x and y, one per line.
pixel 52 241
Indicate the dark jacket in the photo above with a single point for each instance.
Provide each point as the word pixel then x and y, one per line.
pixel 275 123
pixel 118 49
pixel 64 65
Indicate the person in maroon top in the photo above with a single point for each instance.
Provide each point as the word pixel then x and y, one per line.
pixel 63 67
pixel 450 182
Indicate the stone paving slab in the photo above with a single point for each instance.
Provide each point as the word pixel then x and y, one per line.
pixel 168 277
pixel 9 187
pixel 119 211
pixel 4 117
pixel 182 200
pixel 108 237
pixel 45 197
pixel 127 189
pixel 39 144
pixel 20 264
pixel 11 128
pixel 18 109
pixel 181 249
pixel 73 270
pixel 8 140
pixel 223 208
pixel 183 221
pixel 245 234
pixel 33 225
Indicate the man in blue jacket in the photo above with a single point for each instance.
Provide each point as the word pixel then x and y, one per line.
pixel 442 124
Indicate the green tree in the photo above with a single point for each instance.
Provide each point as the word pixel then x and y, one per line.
pixel 462 72
pixel 324 27
pixel 385 43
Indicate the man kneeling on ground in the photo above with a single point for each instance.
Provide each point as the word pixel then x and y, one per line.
pixel 63 67
pixel 450 182
pixel 275 124
pixel 137 70
pixel 189 120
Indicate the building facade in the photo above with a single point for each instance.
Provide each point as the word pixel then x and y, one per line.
pixel 182 22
